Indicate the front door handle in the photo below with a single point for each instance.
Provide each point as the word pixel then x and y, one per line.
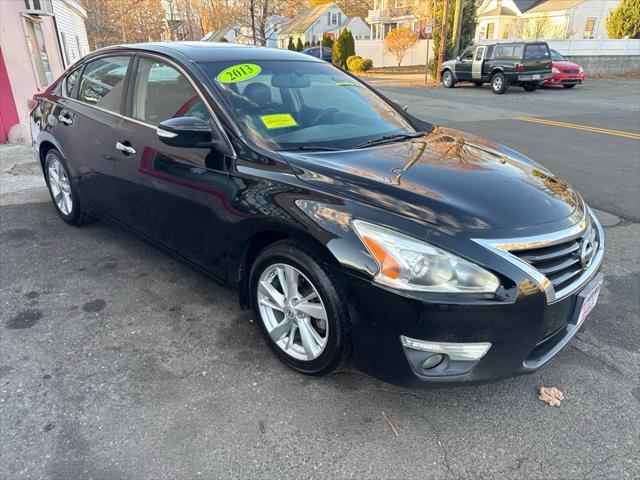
pixel 64 119
pixel 126 149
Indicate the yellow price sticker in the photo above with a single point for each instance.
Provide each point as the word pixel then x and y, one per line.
pixel 278 120
pixel 238 73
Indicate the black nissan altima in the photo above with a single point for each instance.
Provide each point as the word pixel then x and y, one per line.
pixel 353 230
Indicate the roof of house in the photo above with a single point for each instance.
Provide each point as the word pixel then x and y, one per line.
pixel 524 5
pixel 303 20
pixel 554 6
pixel 218 35
pixel 498 11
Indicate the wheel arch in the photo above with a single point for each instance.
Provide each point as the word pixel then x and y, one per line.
pixel 260 240
pixel 495 70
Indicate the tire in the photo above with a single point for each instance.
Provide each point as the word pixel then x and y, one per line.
pixel 478 84
pixel 531 86
pixel 63 193
pixel 447 79
pixel 499 83
pixel 330 347
pixel 569 85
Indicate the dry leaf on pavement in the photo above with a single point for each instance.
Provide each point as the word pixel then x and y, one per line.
pixel 551 395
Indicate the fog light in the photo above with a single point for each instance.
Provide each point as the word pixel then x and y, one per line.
pixel 456 351
pixel 433 361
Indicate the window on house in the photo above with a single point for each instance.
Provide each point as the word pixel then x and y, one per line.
pixel 38 52
pixel 590 27
pixel 490 30
pixel 102 82
pixel 334 19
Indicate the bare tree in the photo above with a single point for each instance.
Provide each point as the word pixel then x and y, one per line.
pixel 536 28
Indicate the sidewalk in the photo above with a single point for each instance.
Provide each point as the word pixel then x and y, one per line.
pixel 396 79
pixel 21 179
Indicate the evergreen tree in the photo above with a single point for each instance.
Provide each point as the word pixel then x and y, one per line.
pixel 624 20
pixel 339 49
pixel 290 45
pixel 467 30
pixel 350 46
pixel 299 46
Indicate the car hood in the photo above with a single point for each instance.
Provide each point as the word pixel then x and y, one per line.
pixel 559 64
pixel 445 178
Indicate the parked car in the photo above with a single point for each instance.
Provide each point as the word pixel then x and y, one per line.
pixel 525 64
pixel 323 53
pixel 352 229
pixel 565 73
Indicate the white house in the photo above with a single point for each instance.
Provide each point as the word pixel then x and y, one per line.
pixel 358 28
pixel 549 19
pixel 244 34
pixel 69 17
pixel 388 15
pixel 312 23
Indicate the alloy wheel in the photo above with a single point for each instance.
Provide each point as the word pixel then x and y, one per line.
pixel 60 187
pixel 497 83
pixel 292 312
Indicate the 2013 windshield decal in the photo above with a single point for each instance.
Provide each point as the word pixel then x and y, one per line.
pixel 239 73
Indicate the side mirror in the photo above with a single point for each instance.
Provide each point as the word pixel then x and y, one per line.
pixel 188 132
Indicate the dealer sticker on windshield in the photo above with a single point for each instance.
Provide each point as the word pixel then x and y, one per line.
pixel 238 73
pixel 278 120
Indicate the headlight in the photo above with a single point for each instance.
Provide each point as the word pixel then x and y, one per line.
pixel 580 69
pixel 407 263
pixel 555 70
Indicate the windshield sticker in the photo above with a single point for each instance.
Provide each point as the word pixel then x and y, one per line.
pixel 238 73
pixel 278 120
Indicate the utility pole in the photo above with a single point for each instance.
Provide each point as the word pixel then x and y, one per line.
pixel 443 36
pixel 253 20
pixel 457 26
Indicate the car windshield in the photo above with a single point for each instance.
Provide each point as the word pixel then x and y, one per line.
pixel 288 105
pixel 556 56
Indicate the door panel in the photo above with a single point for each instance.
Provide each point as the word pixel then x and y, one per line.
pixel 87 125
pixel 177 196
pixel 476 67
pixel 463 66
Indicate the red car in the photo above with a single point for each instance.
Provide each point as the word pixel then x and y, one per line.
pixel 565 73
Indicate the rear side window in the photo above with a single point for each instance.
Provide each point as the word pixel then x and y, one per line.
pixel 161 92
pixel 70 82
pixel 102 82
pixel 536 52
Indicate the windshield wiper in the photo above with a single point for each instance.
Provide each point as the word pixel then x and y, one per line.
pixel 307 148
pixel 389 138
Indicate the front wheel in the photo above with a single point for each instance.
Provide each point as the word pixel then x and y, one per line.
pixel 569 85
pixel 300 313
pixel 447 79
pixel 63 193
pixel 499 83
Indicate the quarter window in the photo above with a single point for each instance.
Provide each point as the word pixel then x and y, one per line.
pixel 71 81
pixel 162 92
pixel 102 82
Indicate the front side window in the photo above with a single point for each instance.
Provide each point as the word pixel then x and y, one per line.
pixel 102 82
pixel 161 92
pixel 288 105
pixel 468 54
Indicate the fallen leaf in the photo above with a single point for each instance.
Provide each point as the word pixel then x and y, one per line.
pixel 551 395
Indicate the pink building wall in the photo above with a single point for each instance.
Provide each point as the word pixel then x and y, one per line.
pixel 21 71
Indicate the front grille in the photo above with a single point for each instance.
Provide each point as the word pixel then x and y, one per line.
pixel 561 263
pixel 571 70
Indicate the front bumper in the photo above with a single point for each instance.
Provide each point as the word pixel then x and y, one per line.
pixel 524 335
pixel 565 79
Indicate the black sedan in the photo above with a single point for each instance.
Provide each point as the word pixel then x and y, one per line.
pixel 353 230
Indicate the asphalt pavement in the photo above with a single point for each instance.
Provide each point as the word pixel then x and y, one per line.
pixel 118 362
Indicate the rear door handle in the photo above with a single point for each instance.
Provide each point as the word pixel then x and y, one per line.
pixel 126 149
pixel 65 119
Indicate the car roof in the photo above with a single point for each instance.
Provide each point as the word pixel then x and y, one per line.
pixel 213 51
pixel 509 42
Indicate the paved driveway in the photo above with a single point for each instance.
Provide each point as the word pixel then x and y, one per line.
pixel 118 362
